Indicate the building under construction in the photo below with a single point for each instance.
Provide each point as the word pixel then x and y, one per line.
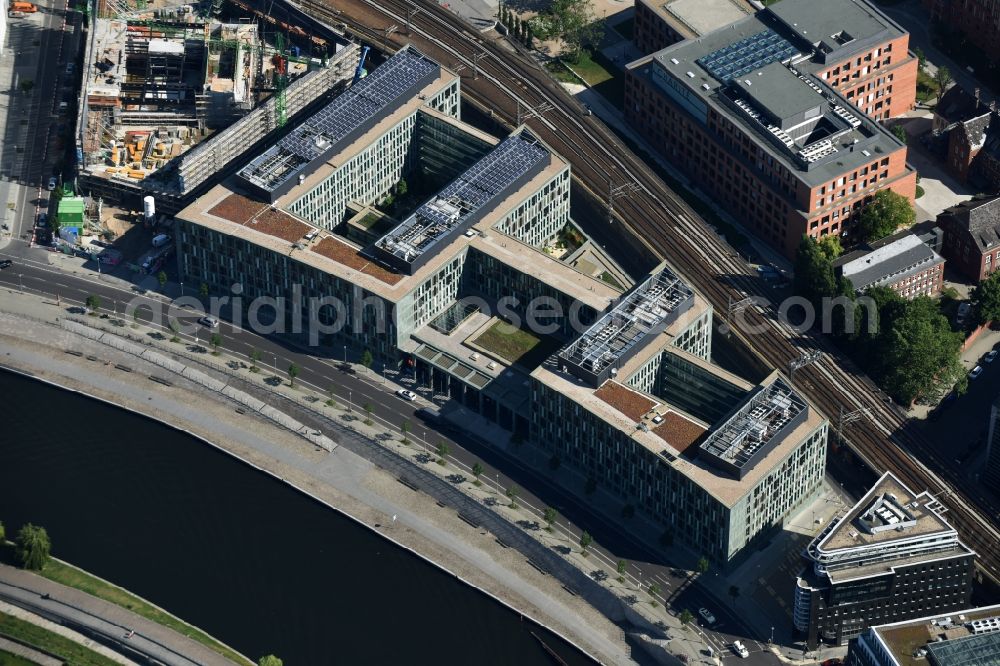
pixel 173 95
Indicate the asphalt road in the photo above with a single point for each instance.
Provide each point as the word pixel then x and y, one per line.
pixel 40 44
pixel 32 273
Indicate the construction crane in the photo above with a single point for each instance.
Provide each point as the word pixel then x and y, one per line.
pixel 280 60
pixel 361 64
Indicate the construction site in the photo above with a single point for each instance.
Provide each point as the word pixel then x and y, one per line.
pixel 174 94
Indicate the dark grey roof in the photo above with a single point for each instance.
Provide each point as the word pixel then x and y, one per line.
pixel 817 21
pixel 958 104
pixel 836 28
pixel 979 218
pixel 905 255
pixel 776 90
pixel 975 129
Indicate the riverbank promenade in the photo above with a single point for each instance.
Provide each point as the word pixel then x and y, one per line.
pixel 118 628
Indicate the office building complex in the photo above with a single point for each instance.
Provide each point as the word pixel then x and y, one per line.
pixel 660 23
pixel 770 115
pixel 902 262
pixel 969 637
pixel 891 557
pixel 472 289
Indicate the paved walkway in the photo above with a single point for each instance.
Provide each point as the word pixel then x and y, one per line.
pixel 346 480
pixel 25 652
pixel 116 627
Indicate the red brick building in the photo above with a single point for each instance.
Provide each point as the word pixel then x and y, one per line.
pixel 972 237
pixel 749 114
pixel 978 21
pixel 902 262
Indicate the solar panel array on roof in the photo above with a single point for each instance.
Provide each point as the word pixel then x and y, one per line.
pixel 464 201
pixel 750 53
pixel 351 114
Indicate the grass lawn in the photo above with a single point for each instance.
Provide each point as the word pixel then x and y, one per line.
pixel 560 73
pixel 369 220
pixel 597 71
pixel 590 68
pixel 610 279
pixel 46 641
pixel 516 345
pixel 927 87
pixel 8 659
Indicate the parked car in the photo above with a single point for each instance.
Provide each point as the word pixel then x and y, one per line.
pixel 976 371
pixel 6 263
pixel 706 615
pixel 768 272
pixel 740 649
pixel 43 220
pixel 963 311
pixel 409 396
pixel 990 356
pixel 160 240
pixel 52 183
pixel 347 368
pixel 210 322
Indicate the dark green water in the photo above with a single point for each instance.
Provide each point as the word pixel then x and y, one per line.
pixel 250 560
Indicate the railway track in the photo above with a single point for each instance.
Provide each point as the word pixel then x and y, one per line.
pixel 523 91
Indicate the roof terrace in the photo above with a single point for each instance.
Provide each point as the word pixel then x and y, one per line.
pixel 647 310
pixel 505 169
pixel 756 427
pixel 350 115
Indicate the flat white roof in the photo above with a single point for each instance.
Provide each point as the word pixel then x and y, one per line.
pixel 881 254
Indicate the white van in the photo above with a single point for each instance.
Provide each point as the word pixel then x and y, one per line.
pixel 160 240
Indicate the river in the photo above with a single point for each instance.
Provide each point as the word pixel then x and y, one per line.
pixel 250 560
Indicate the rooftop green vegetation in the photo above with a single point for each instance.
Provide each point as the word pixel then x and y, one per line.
pixel 907 640
pixel 46 641
pixel 516 345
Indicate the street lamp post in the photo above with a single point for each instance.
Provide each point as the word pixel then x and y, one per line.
pixel 771 640
pixel 345 353
pixel 350 395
